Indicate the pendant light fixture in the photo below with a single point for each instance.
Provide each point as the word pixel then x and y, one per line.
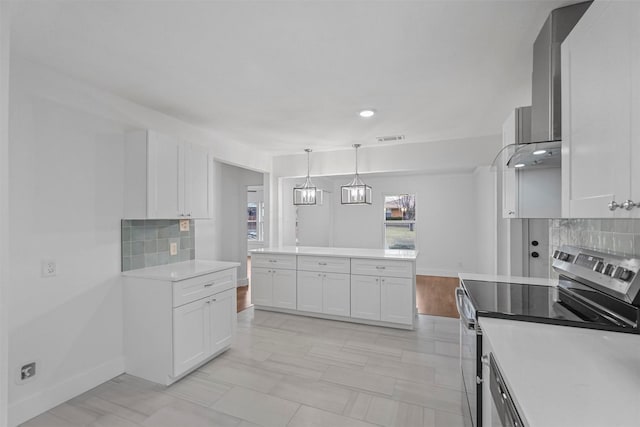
pixel 306 194
pixel 356 192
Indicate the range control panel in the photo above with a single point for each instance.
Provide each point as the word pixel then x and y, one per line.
pixel 610 273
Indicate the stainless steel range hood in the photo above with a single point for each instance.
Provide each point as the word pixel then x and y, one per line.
pixel 546 112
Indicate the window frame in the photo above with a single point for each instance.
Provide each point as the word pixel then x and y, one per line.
pixel 413 221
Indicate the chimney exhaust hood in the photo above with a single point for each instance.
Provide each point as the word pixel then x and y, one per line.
pixel 546 115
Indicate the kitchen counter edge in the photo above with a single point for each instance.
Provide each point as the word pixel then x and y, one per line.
pixel 181 270
pixel 390 254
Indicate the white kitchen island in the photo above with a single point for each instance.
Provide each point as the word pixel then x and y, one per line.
pixel 371 286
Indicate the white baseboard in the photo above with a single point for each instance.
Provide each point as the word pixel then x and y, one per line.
pixel 36 404
pixel 242 282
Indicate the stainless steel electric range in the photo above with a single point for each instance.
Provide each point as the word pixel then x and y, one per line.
pixel 595 290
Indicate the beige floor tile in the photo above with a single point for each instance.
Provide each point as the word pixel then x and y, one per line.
pixel 105 407
pixel 360 380
pixel 75 414
pixel 433 360
pixel 111 420
pixel 243 375
pixel 256 407
pixel 336 354
pixel 48 420
pixel 198 389
pixel 400 370
pixel 191 415
pixel 312 417
pixel 357 408
pixel 136 398
pixel 428 395
pixel 318 394
pixel 390 413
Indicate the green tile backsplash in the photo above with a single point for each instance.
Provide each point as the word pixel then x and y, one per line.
pixel 145 243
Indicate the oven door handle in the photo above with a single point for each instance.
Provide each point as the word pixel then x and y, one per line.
pixel 468 323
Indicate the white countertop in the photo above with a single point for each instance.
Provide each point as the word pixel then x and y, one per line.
pixel 181 270
pixel 563 376
pixel 341 252
pixel 508 279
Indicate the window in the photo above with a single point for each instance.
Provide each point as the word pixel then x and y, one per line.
pixel 255 221
pixel 400 221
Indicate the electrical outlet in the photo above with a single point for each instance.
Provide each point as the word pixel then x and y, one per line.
pixel 26 372
pixel 184 225
pixel 49 267
pixel 173 248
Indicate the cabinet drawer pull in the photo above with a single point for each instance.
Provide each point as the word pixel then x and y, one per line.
pixel 380 267
pixel 322 263
pixel 209 285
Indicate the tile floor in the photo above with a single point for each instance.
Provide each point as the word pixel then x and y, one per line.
pixel 293 371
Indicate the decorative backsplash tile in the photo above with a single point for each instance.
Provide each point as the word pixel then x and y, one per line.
pixel 620 236
pixel 146 243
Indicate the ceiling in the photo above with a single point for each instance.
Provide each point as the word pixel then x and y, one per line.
pixel 285 75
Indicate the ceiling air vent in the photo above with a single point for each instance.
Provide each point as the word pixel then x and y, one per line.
pixel 390 138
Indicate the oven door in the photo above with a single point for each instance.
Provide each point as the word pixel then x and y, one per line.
pixel 470 349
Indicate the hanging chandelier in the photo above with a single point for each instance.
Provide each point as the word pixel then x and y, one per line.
pixel 356 192
pixel 306 194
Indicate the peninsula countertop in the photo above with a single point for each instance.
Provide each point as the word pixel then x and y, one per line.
pixel 563 376
pixel 390 254
pixel 181 270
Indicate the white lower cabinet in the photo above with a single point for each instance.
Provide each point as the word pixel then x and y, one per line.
pixel 365 297
pixel 396 298
pixel 168 335
pixel 326 293
pixel 273 287
pixel 191 335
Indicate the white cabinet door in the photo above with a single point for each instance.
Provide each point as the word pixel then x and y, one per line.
pixel 261 286
pixel 191 335
pixel 336 295
pixel 223 319
pixel 164 193
pixel 196 181
pixel 396 300
pixel 284 289
pixel 596 122
pixel 310 291
pixel 365 297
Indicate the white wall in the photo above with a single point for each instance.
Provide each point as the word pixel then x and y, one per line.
pixel 4 209
pixel 66 167
pixel 65 203
pixel 485 203
pixel 231 209
pixel 445 219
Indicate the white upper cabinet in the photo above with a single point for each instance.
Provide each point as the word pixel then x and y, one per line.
pixel 600 78
pixel 166 178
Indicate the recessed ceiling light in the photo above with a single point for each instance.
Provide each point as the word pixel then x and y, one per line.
pixel 519 165
pixel 367 113
pixel 539 152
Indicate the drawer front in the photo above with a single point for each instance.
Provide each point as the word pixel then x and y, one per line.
pixel 324 264
pixel 195 288
pixel 382 268
pixel 287 262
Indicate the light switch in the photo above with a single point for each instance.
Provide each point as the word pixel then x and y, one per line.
pixel 173 248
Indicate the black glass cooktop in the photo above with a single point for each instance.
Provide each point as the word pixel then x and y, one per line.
pixel 536 303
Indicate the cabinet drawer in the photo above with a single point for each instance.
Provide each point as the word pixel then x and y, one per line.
pixel 324 264
pixel 382 268
pixel 195 288
pixel 287 262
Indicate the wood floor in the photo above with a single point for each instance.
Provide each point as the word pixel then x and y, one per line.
pixel 434 296
pixel 294 371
